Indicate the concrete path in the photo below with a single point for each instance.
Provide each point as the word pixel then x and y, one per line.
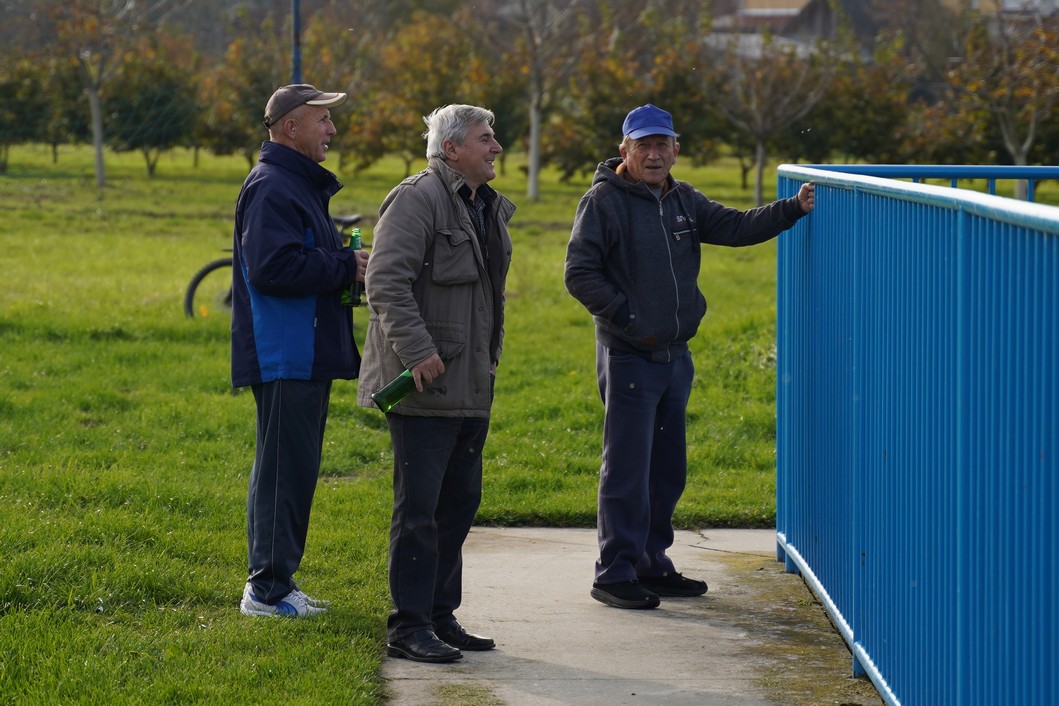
pixel 758 637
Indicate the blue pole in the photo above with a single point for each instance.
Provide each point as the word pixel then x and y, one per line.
pixel 295 42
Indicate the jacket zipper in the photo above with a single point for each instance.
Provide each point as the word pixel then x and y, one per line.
pixel 673 275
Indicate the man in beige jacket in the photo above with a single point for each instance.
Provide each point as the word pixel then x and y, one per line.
pixel 435 288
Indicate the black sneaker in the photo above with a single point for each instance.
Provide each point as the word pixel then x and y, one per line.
pixel 627 594
pixel 674 585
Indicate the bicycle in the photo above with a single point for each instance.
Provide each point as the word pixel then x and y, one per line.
pixel 210 289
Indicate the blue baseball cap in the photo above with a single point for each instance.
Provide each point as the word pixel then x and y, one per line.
pixel 647 120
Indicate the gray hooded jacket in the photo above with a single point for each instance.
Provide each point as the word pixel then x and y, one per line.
pixel 633 258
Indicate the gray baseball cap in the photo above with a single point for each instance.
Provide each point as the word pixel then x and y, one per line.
pixel 287 98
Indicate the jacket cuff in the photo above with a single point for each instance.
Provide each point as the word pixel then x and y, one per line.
pixel 792 209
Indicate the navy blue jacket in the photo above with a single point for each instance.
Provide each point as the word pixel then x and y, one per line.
pixel 633 259
pixel 288 321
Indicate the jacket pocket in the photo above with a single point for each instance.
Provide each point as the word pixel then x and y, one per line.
pixel 454 260
pixel 449 337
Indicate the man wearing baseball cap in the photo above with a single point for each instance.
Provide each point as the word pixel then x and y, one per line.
pixel 633 261
pixel 295 95
pixel 291 335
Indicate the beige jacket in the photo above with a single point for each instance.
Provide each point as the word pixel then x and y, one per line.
pixel 428 291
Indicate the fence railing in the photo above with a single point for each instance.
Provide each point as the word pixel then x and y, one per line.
pixel 918 433
pixel 954 173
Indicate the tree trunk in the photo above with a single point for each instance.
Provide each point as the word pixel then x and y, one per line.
pixel 95 104
pixel 744 172
pixel 533 187
pixel 1022 187
pixel 152 160
pixel 759 171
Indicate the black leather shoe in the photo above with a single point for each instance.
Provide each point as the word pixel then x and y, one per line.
pixel 673 584
pixel 454 634
pixel 626 594
pixel 423 646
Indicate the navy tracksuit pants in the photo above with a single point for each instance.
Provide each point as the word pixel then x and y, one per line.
pixel 644 467
pixel 291 415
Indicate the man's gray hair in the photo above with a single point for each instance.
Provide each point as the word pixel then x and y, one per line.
pixel 452 122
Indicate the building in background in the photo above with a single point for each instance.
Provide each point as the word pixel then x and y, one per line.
pixel 751 16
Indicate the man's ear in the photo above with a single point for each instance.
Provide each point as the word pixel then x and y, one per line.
pixel 449 148
pixel 290 127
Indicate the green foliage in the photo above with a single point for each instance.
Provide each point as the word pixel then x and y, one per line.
pixel 125 455
pixel 153 107
pixel 910 81
pixel 66 116
pixel 233 95
pixel 19 98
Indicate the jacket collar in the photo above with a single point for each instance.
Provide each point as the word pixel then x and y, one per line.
pixel 453 180
pixel 623 171
pixel 296 162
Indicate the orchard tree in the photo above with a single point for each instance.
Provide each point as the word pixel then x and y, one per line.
pixel 587 120
pixel 541 42
pixel 677 71
pixel 20 100
pixel 648 56
pixel 762 88
pixel 1011 72
pixel 871 101
pixel 340 53
pixel 934 134
pixel 66 118
pixel 233 95
pixel 930 32
pixel 1046 149
pixel 40 101
pixel 863 113
pixel 425 65
pixel 153 108
pixel 97 34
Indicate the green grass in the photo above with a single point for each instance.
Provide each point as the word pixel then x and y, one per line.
pixel 124 454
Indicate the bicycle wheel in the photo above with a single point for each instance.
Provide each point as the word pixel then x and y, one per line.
pixel 210 290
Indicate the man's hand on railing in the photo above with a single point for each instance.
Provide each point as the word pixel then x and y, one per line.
pixel 806 197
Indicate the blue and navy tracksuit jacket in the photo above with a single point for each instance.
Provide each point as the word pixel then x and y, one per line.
pixel 288 321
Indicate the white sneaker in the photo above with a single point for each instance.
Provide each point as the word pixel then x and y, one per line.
pixel 314 602
pixel 293 605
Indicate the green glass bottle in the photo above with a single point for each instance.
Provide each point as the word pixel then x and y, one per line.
pixel 396 390
pixel 353 295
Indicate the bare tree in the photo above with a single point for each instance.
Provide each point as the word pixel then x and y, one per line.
pixel 547 49
pixel 98 34
pixel 763 85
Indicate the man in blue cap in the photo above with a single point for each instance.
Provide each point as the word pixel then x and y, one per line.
pixel 633 262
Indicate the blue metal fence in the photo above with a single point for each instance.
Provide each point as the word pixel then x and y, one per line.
pixel 918 433
pixel 953 173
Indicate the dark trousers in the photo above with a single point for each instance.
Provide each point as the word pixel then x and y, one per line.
pixel 645 465
pixel 291 415
pixel 437 487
